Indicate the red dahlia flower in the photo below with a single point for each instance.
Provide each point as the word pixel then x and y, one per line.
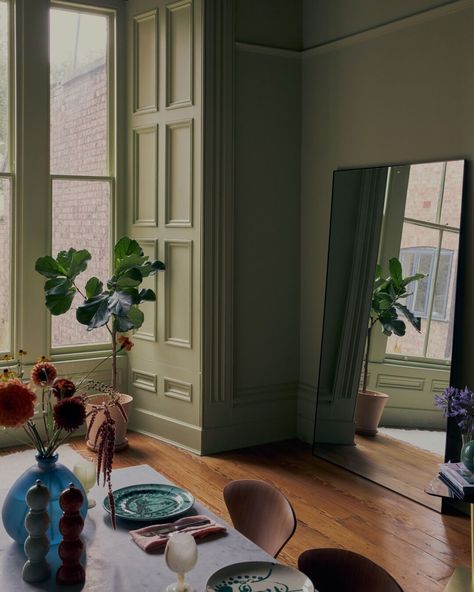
pixel 17 403
pixel 69 414
pixel 43 373
pixel 63 388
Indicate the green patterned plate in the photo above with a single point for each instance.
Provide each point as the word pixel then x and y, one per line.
pixel 259 576
pixel 150 502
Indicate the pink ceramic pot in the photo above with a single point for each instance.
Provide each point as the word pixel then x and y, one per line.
pixel 368 413
pixel 121 440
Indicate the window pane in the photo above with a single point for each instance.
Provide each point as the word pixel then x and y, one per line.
pixel 441 332
pixel 442 282
pixel 4 91
pixel 424 186
pixel 418 248
pixel 451 210
pixel 78 55
pixel 5 266
pixel 81 219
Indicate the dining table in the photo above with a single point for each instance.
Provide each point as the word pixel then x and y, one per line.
pixel 113 562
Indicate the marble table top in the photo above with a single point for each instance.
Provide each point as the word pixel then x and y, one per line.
pixel 115 563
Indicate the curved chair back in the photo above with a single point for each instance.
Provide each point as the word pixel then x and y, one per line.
pixel 261 513
pixel 345 571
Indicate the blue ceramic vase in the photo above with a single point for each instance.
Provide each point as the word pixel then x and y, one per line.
pixel 56 477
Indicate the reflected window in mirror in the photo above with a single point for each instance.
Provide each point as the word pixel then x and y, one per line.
pixel 426 237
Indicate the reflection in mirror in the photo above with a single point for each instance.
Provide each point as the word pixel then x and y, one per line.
pixel 413 213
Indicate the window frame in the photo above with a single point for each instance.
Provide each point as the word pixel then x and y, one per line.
pixel 10 173
pixel 442 229
pixel 31 201
pixel 111 169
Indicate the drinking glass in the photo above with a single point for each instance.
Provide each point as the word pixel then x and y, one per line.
pixel 180 556
pixel 86 471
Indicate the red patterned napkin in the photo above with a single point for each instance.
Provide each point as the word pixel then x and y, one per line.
pixel 156 542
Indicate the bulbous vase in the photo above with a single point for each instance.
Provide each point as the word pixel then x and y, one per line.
pixel 56 477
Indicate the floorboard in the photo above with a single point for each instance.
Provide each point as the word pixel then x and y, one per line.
pixel 397 465
pixel 335 508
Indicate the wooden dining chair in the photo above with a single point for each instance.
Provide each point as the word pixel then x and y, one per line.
pixel 261 513
pixel 345 571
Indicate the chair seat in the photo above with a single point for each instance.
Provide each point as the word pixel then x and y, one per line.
pixel 340 570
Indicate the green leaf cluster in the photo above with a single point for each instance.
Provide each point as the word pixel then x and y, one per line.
pixel 118 302
pixel 386 308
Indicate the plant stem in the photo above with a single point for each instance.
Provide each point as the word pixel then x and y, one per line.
pixel 114 359
pixel 35 437
pixel 43 414
pixel 366 357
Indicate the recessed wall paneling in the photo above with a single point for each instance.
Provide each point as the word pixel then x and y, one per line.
pixel 148 331
pixel 178 389
pixel 144 380
pixel 145 175
pixel 400 382
pixel 145 62
pixel 178 292
pixel 179 54
pixel 179 174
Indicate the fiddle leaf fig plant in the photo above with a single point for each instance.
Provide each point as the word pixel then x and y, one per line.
pixel 117 305
pixel 386 308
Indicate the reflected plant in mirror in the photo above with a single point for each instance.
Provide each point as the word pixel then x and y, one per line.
pixel 386 306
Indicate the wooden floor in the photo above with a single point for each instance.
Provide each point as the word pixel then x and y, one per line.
pixel 335 508
pixel 392 463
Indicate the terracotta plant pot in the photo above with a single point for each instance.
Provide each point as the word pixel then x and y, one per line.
pixel 121 440
pixel 369 409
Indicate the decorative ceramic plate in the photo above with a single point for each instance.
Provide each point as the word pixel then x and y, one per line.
pixel 258 576
pixel 150 502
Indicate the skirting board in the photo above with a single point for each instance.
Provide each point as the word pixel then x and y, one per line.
pixel 168 429
pixel 247 434
pixel 280 426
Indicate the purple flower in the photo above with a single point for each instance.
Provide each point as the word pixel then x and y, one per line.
pixel 458 404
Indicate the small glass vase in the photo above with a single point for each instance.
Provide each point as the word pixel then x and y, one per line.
pixel 56 477
pixel 467 450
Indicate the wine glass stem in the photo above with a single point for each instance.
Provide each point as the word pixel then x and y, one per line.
pixel 181 584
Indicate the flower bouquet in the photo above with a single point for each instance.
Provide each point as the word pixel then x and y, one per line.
pixel 459 405
pixel 61 412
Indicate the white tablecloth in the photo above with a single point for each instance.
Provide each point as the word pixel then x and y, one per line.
pixel 115 563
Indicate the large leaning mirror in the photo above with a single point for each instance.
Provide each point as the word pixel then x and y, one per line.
pixel 411 213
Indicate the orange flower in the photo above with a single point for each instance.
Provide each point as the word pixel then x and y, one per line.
pixel 17 404
pixel 125 343
pixel 43 373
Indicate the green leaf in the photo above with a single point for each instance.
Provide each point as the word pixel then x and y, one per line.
pixel 397 327
pixel 124 247
pixel 130 279
pixel 136 316
pixel 415 321
pixel 94 312
pixel 158 265
pixel 122 324
pixel 59 285
pixel 58 304
pixel 395 268
pixel 49 267
pixel 119 303
pixel 148 295
pixel 74 262
pixel 413 278
pixel 128 262
pixel 93 287
pixel 133 292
